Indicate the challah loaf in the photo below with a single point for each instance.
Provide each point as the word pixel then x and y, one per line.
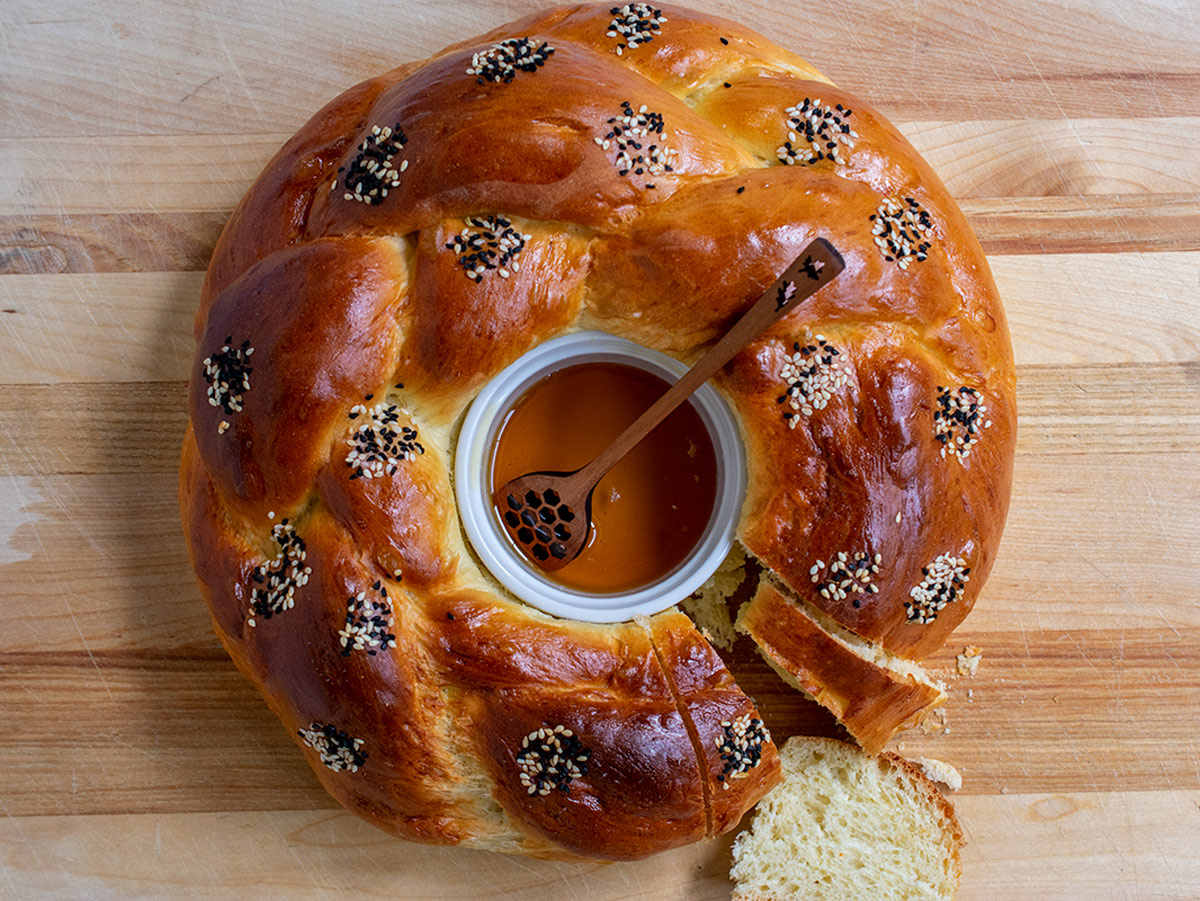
pixel 643 171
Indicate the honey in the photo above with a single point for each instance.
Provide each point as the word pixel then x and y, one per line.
pixel 652 508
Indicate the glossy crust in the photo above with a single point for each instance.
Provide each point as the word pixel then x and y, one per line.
pixel 339 342
pixel 712 702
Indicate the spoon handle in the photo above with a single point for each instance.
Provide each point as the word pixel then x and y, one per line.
pixel 817 265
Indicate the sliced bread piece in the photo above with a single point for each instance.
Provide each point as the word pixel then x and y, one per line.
pixel 734 750
pixel 845 826
pixel 873 693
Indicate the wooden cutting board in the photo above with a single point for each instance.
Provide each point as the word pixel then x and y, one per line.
pixel 135 761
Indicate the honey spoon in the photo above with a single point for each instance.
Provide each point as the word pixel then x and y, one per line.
pixel 540 509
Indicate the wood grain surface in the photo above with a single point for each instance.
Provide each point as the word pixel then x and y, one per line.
pixel 134 761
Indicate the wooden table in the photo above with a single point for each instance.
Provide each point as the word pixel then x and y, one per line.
pixel 135 761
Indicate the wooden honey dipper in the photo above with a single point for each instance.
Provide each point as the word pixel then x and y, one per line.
pixel 541 510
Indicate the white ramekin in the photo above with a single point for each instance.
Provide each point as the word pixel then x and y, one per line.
pixel 472 459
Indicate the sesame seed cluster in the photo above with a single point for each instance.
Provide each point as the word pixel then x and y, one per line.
pixel 337 750
pixel 501 62
pixel 368 623
pixel 958 420
pixel 944 583
pixel 629 133
pixel 277 580
pixel 847 575
pixel 373 172
pixel 380 444
pixel 227 373
pixel 634 24
pixel 740 747
pixel 902 231
pixel 550 757
pixel 814 132
pixel 812 373
pixel 488 243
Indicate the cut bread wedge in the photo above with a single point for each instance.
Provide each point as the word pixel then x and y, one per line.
pixel 873 694
pixel 845 826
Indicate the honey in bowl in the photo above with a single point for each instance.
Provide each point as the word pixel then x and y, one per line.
pixel 652 508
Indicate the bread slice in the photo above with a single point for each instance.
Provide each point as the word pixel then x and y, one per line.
pixel 873 693
pixel 845 826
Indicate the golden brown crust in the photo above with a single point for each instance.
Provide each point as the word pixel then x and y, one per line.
pixel 403 521
pixel 737 773
pixel 274 211
pixel 863 476
pixel 322 316
pixel 871 701
pixel 605 686
pixel 220 555
pixel 325 307
pixel 412 790
pixel 462 329
pixel 688 49
pixel 296 652
pixel 459 136
pixel 639 794
pixel 694 280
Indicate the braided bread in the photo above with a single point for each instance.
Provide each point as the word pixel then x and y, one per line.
pixel 643 171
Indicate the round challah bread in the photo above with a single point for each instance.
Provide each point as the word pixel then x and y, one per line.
pixel 643 171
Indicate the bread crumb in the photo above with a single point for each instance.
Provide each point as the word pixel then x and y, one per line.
pixel 940 771
pixel 929 727
pixel 968 660
pixel 709 608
